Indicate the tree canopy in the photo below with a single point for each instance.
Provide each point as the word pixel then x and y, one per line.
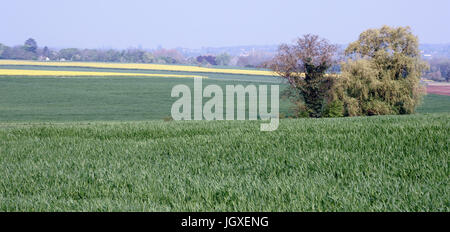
pixel 381 75
pixel 304 65
pixel 30 45
pixel 384 73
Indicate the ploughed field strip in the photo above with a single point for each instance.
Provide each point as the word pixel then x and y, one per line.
pixel 440 89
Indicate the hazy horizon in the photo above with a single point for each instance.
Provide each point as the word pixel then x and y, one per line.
pixel 197 24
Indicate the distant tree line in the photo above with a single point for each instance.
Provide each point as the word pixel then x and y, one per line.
pixel 439 69
pixel 31 51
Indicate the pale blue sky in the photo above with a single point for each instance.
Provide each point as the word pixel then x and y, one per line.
pixel 193 24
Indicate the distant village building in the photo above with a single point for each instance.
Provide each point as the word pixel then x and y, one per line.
pixel 43 58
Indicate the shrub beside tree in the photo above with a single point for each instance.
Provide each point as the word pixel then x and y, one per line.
pixel 223 59
pixel 304 65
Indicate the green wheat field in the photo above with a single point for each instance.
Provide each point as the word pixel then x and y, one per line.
pixel 101 144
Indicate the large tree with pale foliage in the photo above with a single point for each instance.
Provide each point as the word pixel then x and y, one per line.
pixel 383 74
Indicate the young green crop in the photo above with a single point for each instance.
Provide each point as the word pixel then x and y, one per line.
pixel 386 163
pixel 86 144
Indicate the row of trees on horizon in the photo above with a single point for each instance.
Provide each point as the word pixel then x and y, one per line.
pixel 31 51
pixel 439 67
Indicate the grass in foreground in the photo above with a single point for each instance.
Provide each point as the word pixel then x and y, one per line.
pixel 388 163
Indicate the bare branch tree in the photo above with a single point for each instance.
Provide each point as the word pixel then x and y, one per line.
pixel 304 65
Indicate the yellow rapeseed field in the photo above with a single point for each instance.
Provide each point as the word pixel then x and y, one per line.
pixel 181 68
pixel 23 72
